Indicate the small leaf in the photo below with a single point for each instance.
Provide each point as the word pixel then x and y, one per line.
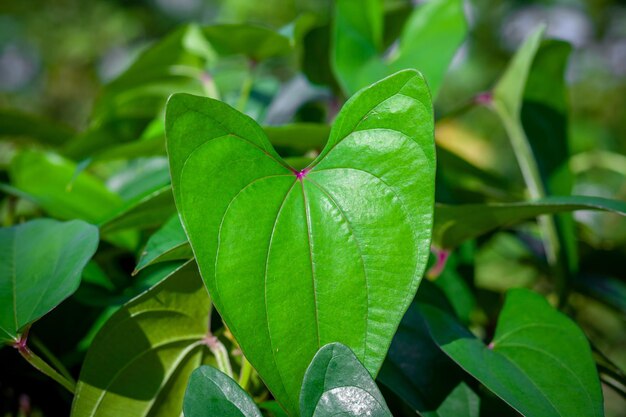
pixel 16 124
pixel 50 182
pixel 169 243
pixel 212 393
pixel 539 361
pixel 334 252
pixel 141 359
pixel 462 402
pixel 336 383
pixel 144 212
pixel 456 224
pixel 429 40
pixel 255 42
pixel 40 266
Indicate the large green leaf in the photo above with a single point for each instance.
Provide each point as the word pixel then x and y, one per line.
pixel 169 243
pixel 334 252
pixel 212 393
pixel 456 224
pixel 40 265
pixel 336 383
pixel 539 361
pixel 139 362
pixel 428 42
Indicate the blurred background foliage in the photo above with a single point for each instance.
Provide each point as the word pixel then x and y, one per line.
pixel 56 56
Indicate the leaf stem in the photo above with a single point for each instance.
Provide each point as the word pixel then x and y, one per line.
pixel 218 350
pixel 246 372
pixel 54 361
pixel 246 88
pixel 42 365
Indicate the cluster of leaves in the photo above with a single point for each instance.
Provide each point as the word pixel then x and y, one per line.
pixel 311 237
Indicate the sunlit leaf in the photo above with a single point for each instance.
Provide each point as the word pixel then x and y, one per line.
pixel 331 253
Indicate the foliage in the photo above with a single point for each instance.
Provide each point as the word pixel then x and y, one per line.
pixel 301 173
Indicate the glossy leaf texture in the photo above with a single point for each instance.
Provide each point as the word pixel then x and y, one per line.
pixel 212 393
pixel 40 266
pixel 456 224
pixel 140 361
pixel 539 361
pixel 429 40
pixel 169 243
pixel 334 252
pixel 336 383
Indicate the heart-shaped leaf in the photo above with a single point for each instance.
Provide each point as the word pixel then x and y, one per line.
pixel 429 40
pixel 334 252
pixel 336 383
pixel 40 265
pixel 539 360
pixel 212 393
pixel 139 362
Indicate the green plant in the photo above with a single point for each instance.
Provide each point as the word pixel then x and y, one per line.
pixel 216 264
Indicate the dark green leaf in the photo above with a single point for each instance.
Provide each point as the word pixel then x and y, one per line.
pixel 166 244
pixel 415 369
pixel 255 42
pixel 428 42
pixel 211 393
pixel 539 361
pixel 362 211
pixel 456 224
pixel 140 361
pixel 15 124
pixel 336 383
pixel 462 402
pixel 40 265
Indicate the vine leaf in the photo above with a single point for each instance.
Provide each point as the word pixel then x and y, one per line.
pixel 336 383
pixel 141 359
pixel 331 253
pixel 539 361
pixel 40 266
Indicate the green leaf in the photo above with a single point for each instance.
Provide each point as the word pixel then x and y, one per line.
pixel 255 42
pixel 48 179
pixel 336 383
pixel 428 42
pixel 456 224
pixel 298 138
pixel 331 253
pixel 147 211
pixel 539 361
pixel 41 262
pixel 415 369
pixel 169 243
pixel 141 359
pixel 212 393
pixel 16 124
pixel 462 402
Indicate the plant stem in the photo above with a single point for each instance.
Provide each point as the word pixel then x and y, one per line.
pixel 218 350
pixel 246 372
pixel 43 366
pixel 246 88
pixel 54 361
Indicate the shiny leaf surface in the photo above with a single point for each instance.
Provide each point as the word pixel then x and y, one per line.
pixel 331 253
